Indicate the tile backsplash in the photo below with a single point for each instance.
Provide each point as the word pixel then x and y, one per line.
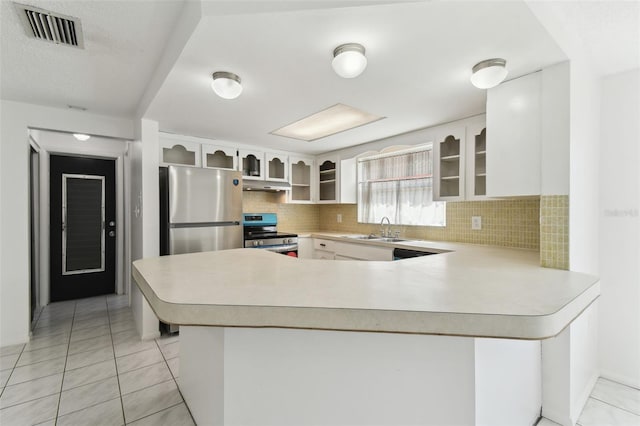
pixel 291 217
pixel 533 223
pixel 554 231
pixel 507 223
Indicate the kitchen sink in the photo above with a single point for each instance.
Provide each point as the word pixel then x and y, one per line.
pixel 376 238
pixel 364 237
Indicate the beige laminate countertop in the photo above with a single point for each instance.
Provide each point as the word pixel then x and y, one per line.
pixel 470 291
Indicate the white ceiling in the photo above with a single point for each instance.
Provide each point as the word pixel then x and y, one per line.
pixel 419 63
pixel 420 54
pixel 123 43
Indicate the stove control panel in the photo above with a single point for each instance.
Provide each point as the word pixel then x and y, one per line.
pixel 270 242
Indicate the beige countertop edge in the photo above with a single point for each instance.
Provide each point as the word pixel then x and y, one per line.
pixel 525 327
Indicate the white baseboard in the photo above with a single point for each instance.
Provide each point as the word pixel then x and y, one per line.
pixel 619 379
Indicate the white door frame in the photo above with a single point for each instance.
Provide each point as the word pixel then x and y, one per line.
pixel 122 209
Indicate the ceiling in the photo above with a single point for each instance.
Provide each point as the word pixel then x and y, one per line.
pixel 419 63
pixel 123 43
pixel 420 56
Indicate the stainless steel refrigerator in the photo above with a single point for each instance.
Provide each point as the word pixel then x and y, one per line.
pixel 200 210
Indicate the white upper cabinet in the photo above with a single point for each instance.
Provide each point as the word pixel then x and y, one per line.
pixel 514 137
pixel 179 152
pixel 219 157
pixel 277 167
pixel 476 164
pixel 348 181
pixel 449 165
pixel 302 181
pixel 328 173
pixel 251 164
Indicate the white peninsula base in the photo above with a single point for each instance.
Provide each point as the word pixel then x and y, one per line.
pixel 271 376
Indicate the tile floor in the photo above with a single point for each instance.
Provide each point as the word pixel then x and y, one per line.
pixel 85 365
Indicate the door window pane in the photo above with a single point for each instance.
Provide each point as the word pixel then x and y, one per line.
pixel 83 233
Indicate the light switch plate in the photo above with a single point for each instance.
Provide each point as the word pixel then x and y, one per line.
pixel 339 218
pixel 476 223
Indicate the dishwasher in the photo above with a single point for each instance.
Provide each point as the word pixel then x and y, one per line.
pixel 400 253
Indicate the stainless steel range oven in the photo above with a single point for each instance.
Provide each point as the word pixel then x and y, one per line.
pixel 260 231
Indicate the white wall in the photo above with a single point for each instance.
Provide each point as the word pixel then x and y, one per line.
pixel 604 160
pixel 15 120
pixel 584 201
pixel 619 228
pixel 145 219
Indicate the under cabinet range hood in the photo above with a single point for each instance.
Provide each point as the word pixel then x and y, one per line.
pixel 265 185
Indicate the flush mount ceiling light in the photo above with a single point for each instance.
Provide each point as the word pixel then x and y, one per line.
pixel 489 73
pixel 81 136
pixel 330 121
pixel 349 60
pixel 226 84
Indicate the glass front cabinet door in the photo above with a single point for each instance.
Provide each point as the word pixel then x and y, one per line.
pixel 476 161
pixel 328 179
pixel 251 163
pixel 218 157
pixel 179 152
pixel 449 166
pixel 277 167
pixel 301 180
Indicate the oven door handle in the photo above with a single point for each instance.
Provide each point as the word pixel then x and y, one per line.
pixel 282 249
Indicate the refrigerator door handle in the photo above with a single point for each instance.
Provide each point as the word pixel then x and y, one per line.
pixel 204 224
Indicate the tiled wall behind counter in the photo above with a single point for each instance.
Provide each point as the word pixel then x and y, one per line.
pixel 291 217
pixel 507 223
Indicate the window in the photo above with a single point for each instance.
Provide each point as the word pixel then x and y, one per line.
pixel 398 185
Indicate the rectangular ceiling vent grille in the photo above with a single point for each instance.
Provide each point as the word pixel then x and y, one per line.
pixel 49 26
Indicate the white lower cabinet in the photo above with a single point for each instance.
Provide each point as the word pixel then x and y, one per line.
pixel 323 249
pixel 305 247
pixel 346 251
pixel 335 250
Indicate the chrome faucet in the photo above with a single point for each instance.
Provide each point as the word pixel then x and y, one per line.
pixel 382 232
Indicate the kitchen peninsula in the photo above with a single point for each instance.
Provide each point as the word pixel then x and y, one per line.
pixel 453 338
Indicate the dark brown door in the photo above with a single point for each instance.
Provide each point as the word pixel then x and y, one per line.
pixel 82 229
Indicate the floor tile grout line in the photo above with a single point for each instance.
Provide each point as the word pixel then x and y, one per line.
pixel 31 380
pixel 75 305
pixel 89 383
pixel 147 387
pixel 113 348
pixel 140 368
pixel 31 400
pixel 87 407
pixel 614 406
pixel 159 411
pixel 12 370
pixel 176 382
pixel 132 353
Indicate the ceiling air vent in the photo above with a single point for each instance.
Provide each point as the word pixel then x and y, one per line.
pixel 49 26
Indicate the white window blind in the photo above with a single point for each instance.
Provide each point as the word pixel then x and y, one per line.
pixel 399 185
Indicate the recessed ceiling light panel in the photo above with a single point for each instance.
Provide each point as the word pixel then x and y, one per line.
pixel 330 121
